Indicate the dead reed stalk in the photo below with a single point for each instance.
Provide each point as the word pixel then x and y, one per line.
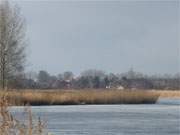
pixel 9 125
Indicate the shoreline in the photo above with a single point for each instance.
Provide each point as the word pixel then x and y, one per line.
pixel 87 97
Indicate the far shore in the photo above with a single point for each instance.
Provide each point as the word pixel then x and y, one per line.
pixel 86 96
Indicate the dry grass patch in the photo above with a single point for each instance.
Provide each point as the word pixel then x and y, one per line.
pixel 168 93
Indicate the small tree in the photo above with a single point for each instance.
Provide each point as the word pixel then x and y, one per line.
pixel 43 76
pixel 68 75
pixel 43 79
pixel 96 82
pixel 12 45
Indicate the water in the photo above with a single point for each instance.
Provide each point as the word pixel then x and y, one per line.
pixel 162 118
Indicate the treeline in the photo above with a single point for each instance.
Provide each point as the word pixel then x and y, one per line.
pixel 95 79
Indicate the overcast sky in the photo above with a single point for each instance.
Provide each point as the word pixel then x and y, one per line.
pixel 111 36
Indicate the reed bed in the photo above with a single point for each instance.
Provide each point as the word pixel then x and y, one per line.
pixel 77 97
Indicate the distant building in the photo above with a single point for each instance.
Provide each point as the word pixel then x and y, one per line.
pixel 120 87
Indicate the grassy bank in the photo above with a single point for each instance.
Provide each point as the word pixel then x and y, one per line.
pixel 76 97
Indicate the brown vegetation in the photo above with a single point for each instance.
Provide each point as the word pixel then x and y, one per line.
pixel 168 93
pixel 76 97
pixel 9 125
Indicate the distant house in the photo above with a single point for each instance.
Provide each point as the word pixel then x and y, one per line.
pixel 120 87
pixel 108 87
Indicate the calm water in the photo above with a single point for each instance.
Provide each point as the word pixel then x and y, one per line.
pixel 162 118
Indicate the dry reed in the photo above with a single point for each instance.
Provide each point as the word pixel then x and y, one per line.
pixel 168 93
pixel 9 125
pixel 76 97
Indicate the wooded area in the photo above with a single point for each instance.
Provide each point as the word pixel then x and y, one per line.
pixel 96 79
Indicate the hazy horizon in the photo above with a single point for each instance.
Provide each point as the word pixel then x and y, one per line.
pixel 110 36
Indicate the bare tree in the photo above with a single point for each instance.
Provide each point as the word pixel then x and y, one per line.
pixel 12 42
pixel 68 75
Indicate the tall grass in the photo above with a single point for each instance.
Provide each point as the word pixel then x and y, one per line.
pixel 9 125
pixel 76 97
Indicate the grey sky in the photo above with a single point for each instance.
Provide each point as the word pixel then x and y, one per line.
pixel 112 36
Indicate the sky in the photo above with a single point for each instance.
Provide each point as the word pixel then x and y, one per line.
pixel 112 36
